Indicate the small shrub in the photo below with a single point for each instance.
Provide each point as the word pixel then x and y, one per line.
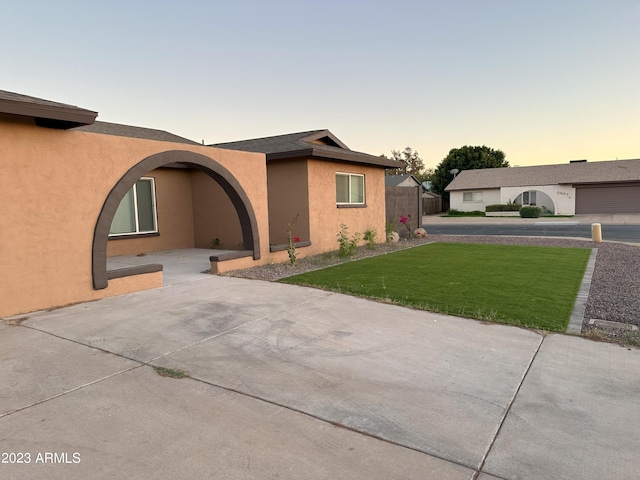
pixel 406 221
pixel 503 207
pixel 347 246
pixel 513 206
pixel 457 213
pixel 388 230
pixel 291 241
pixel 215 243
pixel 529 212
pixel 370 238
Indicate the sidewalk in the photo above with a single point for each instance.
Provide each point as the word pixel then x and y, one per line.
pixel 292 382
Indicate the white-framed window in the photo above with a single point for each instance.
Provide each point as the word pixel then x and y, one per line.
pixel 472 197
pixel 529 198
pixel 349 189
pixel 137 210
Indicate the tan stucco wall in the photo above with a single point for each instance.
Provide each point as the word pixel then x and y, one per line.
pixel 175 216
pixel 214 215
pixel 288 192
pixel 53 184
pixel 326 217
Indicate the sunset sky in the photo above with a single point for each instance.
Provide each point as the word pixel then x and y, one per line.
pixel 544 81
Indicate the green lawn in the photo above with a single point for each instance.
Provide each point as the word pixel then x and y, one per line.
pixel 528 286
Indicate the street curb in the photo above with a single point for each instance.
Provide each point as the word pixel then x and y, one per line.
pixel 577 315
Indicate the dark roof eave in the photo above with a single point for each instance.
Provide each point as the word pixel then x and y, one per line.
pixel 50 115
pixel 604 182
pixel 349 157
pixel 563 182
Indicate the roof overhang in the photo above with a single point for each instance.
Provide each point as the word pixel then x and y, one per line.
pixel 605 183
pixel 339 156
pixel 48 114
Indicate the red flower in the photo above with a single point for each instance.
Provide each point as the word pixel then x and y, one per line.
pixel 296 239
pixel 403 219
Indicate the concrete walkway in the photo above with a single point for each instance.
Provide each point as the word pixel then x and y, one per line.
pixel 291 382
pixel 179 266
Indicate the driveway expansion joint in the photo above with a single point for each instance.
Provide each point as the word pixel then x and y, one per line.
pixel 330 422
pixel 506 411
pixel 71 390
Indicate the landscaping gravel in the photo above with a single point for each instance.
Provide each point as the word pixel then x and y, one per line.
pixel 615 285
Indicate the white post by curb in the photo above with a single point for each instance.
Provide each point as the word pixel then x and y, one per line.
pixel 596 232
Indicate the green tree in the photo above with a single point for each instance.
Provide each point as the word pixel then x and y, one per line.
pixel 465 158
pixel 413 164
pixel 425 175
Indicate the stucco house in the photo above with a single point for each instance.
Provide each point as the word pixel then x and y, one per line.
pixel 577 187
pixel 315 178
pixel 75 191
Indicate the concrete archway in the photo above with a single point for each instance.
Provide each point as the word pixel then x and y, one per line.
pixel 543 199
pixel 217 172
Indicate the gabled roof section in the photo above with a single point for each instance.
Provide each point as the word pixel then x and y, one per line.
pixel 324 137
pixel 320 144
pixel 613 171
pixel 45 112
pixel 395 180
pixel 129 131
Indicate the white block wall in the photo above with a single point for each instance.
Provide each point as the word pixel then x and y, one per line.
pixel 489 197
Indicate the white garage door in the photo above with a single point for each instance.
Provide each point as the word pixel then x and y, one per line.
pixel 608 199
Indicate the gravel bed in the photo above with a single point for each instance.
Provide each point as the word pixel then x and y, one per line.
pixel 615 285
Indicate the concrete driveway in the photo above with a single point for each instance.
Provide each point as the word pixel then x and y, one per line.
pixel 291 382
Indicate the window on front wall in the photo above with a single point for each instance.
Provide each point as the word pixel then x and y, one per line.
pixel 472 197
pixel 137 210
pixel 529 198
pixel 349 189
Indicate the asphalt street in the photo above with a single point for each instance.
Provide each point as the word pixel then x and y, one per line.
pixel 619 233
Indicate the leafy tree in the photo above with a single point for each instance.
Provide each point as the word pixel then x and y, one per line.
pixel 425 175
pixel 465 158
pixel 413 164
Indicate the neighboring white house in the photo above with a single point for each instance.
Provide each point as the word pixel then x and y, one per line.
pixel 572 188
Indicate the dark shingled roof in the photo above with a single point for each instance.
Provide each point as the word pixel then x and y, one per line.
pixel 45 112
pixel 119 130
pixel 315 143
pixel 567 173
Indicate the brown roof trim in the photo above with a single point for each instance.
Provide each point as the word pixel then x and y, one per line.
pixel 606 183
pixel 348 156
pixel 45 112
pixel 120 130
pixel 325 134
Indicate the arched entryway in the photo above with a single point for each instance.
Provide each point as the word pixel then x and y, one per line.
pixel 536 198
pixel 217 172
